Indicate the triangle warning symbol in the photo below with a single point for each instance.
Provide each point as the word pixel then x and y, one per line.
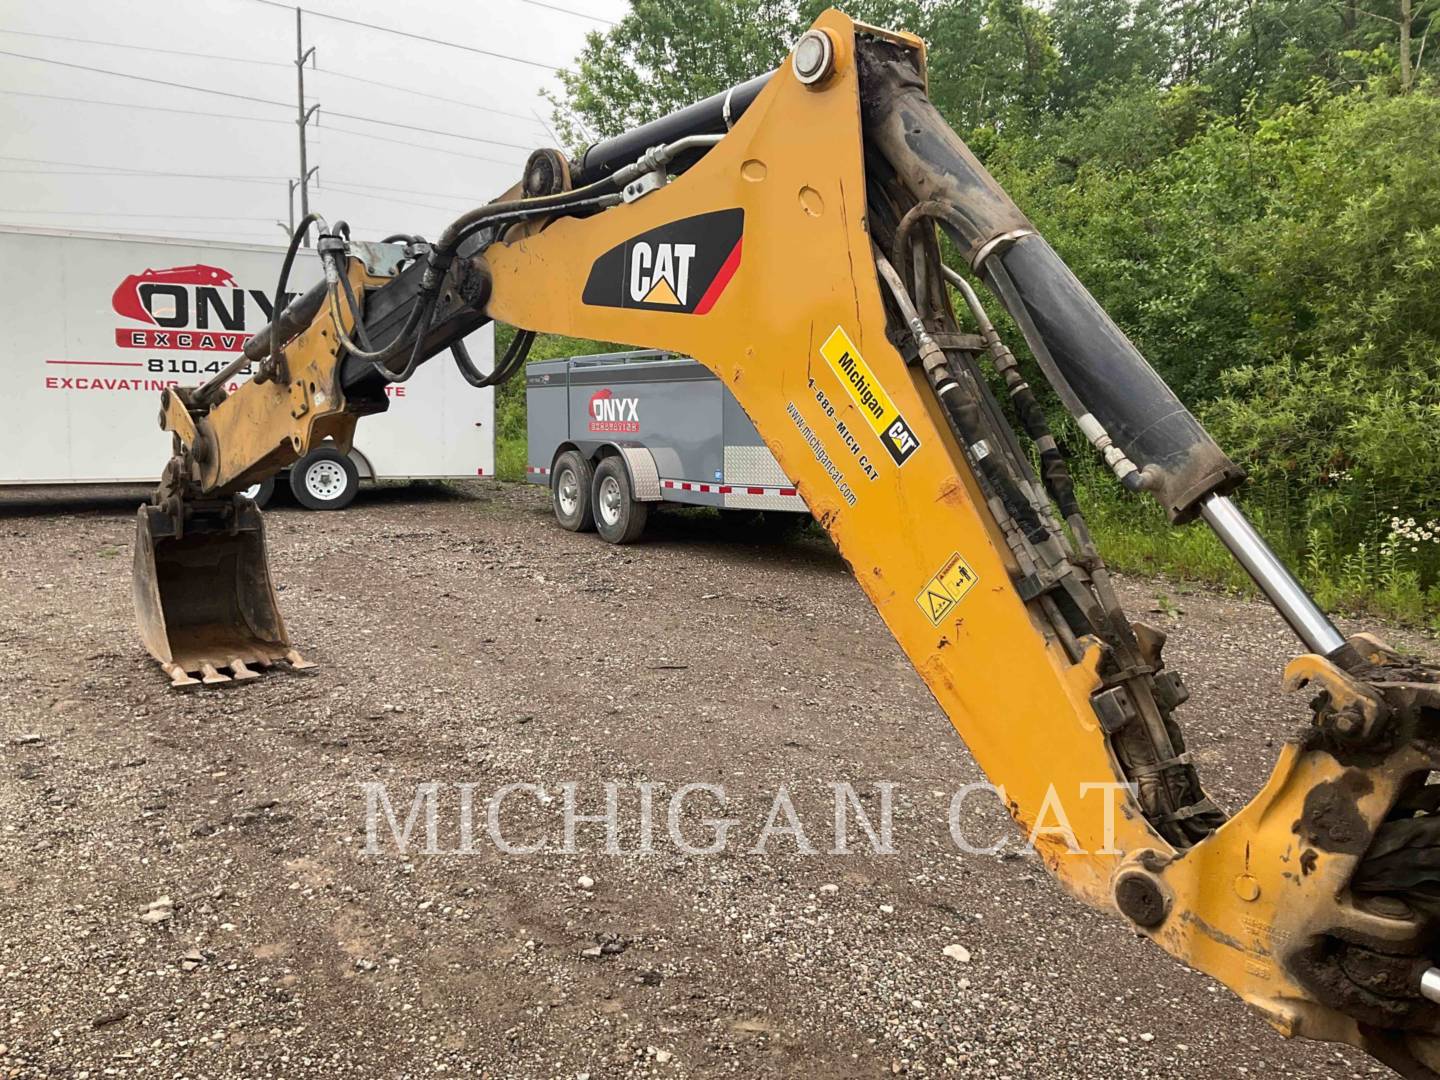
pixel 661 293
pixel 939 601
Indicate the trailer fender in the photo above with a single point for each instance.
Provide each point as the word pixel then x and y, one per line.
pixel 362 463
pixel 640 464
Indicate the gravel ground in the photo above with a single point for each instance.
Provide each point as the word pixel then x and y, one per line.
pixel 462 638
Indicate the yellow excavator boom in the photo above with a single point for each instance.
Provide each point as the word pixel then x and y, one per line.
pixel 791 236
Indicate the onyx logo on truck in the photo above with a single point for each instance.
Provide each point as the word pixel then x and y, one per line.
pixel 683 266
pixel 187 307
pixel 613 415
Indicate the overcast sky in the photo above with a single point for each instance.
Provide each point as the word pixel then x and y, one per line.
pixel 88 164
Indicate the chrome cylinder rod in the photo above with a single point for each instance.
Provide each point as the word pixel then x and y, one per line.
pixel 1289 597
pixel 1430 984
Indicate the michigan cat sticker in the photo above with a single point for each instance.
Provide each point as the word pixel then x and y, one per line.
pixel 682 266
pixel 880 413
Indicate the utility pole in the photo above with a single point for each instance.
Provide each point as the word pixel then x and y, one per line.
pixel 290 201
pixel 303 115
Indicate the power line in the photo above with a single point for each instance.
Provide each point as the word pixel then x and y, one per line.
pixel 263 120
pixel 148 108
pixel 263 101
pixel 109 173
pixel 146 48
pixel 355 193
pixel 116 213
pixel 468 200
pixel 182 232
pixel 136 172
pixel 568 11
pixel 268 63
pixel 418 146
pixel 272 63
pixel 419 93
pixel 146 79
pixel 464 200
pixel 331 129
pixel 408 34
pixel 427 131
pixel 80 169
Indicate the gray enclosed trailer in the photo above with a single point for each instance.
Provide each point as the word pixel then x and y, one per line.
pixel 613 434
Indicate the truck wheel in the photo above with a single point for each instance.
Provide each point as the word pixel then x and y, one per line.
pixel 618 517
pixel 570 492
pixel 260 493
pixel 324 479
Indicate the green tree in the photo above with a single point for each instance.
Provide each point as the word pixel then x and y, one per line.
pixel 662 56
pixel 1250 187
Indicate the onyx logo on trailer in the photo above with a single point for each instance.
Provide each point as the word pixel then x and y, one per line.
pixel 187 307
pixel 683 266
pixel 613 415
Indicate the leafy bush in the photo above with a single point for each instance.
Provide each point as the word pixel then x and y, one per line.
pixel 1281 273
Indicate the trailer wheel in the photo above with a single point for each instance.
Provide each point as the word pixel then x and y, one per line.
pixel 570 482
pixel 618 517
pixel 260 493
pixel 324 479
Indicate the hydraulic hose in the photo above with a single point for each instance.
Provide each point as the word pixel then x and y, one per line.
pixel 1145 424
pixel 220 378
pixel 419 322
pixel 962 405
pixel 1054 472
pixel 509 364
pixel 277 304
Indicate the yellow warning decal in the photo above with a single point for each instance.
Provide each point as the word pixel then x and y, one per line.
pixel 897 436
pixel 946 589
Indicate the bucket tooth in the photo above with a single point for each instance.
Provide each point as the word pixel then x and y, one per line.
pixel 179 676
pixel 298 662
pixel 240 673
pixel 203 595
pixel 211 677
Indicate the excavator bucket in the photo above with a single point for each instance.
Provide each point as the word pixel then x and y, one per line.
pixel 203 596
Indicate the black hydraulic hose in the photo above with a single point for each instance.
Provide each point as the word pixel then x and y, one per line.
pixel 378 357
pixel 598 193
pixel 962 406
pixel 276 340
pixel 1054 470
pixel 278 304
pixel 456 231
pixel 930 210
pixel 356 321
pixel 509 364
pixel 713 116
pixel 419 321
pixel 954 223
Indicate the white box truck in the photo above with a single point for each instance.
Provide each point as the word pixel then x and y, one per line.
pixel 94 325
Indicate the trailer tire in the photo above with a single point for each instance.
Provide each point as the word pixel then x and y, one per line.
pixel 570 483
pixel 618 517
pixel 260 494
pixel 324 479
